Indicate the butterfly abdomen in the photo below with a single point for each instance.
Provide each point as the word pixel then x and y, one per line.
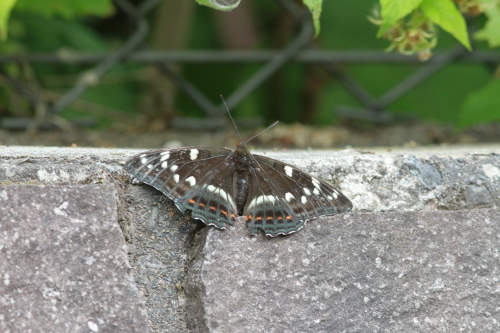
pixel 242 158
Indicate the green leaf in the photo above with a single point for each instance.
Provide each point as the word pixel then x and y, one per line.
pixel 491 30
pixel 445 14
pixel 394 10
pixel 487 2
pixel 481 106
pixel 5 8
pixel 67 9
pixel 315 8
pixel 224 5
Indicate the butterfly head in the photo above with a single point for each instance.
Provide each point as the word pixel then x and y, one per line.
pixel 242 154
pixel 242 144
pixel 242 157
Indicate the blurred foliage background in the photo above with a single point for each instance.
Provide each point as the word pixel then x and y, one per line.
pixel 462 94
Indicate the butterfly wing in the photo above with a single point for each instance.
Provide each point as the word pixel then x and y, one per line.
pixel 283 198
pixel 194 178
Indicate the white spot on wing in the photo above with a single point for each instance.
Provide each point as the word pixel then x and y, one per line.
pixel 164 156
pixel 306 191
pixel 316 183
pixel 174 167
pixel 150 166
pixel 303 199
pixel 261 199
pixel 143 160
pixel 194 154
pixel 223 194
pixel 176 178
pixel 335 195
pixel 288 171
pixel 191 181
pixel 164 164
pixel 316 191
pixel 289 196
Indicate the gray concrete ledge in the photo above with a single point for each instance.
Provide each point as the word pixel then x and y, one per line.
pixel 171 260
pixel 443 178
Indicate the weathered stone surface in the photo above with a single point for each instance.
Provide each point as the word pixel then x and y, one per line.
pixel 159 238
pixel 63 262
pixel 379 272
pixel 159 251
pixel 161 241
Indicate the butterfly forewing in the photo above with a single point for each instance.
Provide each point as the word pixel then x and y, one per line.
pixel 315 196
pixel 193 178
pixel 284 198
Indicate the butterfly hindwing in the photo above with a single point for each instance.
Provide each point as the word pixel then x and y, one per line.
pixel 213 204
pixel 193 178
pixel 264 210
pixel 291 198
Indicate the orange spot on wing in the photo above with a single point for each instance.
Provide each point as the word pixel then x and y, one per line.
pixel 223 212
pixel 288 217
pixel 201 204
pixel 259 218
pixel 191 201
pixel 269 217
pixel 280 217
pixel 212 208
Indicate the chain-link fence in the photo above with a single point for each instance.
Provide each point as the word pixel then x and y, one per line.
pixel 299 50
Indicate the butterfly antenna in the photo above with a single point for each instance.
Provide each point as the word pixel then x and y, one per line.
pixel 229 113
pixel 277 121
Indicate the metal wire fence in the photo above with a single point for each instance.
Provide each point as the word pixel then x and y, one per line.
pixel 298 50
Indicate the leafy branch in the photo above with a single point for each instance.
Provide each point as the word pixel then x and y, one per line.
pixel 51 8
pixel 409 25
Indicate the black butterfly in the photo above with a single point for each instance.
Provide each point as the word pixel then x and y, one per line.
pixel 218 184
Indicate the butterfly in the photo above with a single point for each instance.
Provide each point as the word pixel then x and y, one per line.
pixel 217 185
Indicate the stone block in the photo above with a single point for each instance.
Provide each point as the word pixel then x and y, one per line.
pixel 63 262
pixel 378 272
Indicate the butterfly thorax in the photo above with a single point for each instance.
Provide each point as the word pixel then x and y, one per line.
pixel 242 159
